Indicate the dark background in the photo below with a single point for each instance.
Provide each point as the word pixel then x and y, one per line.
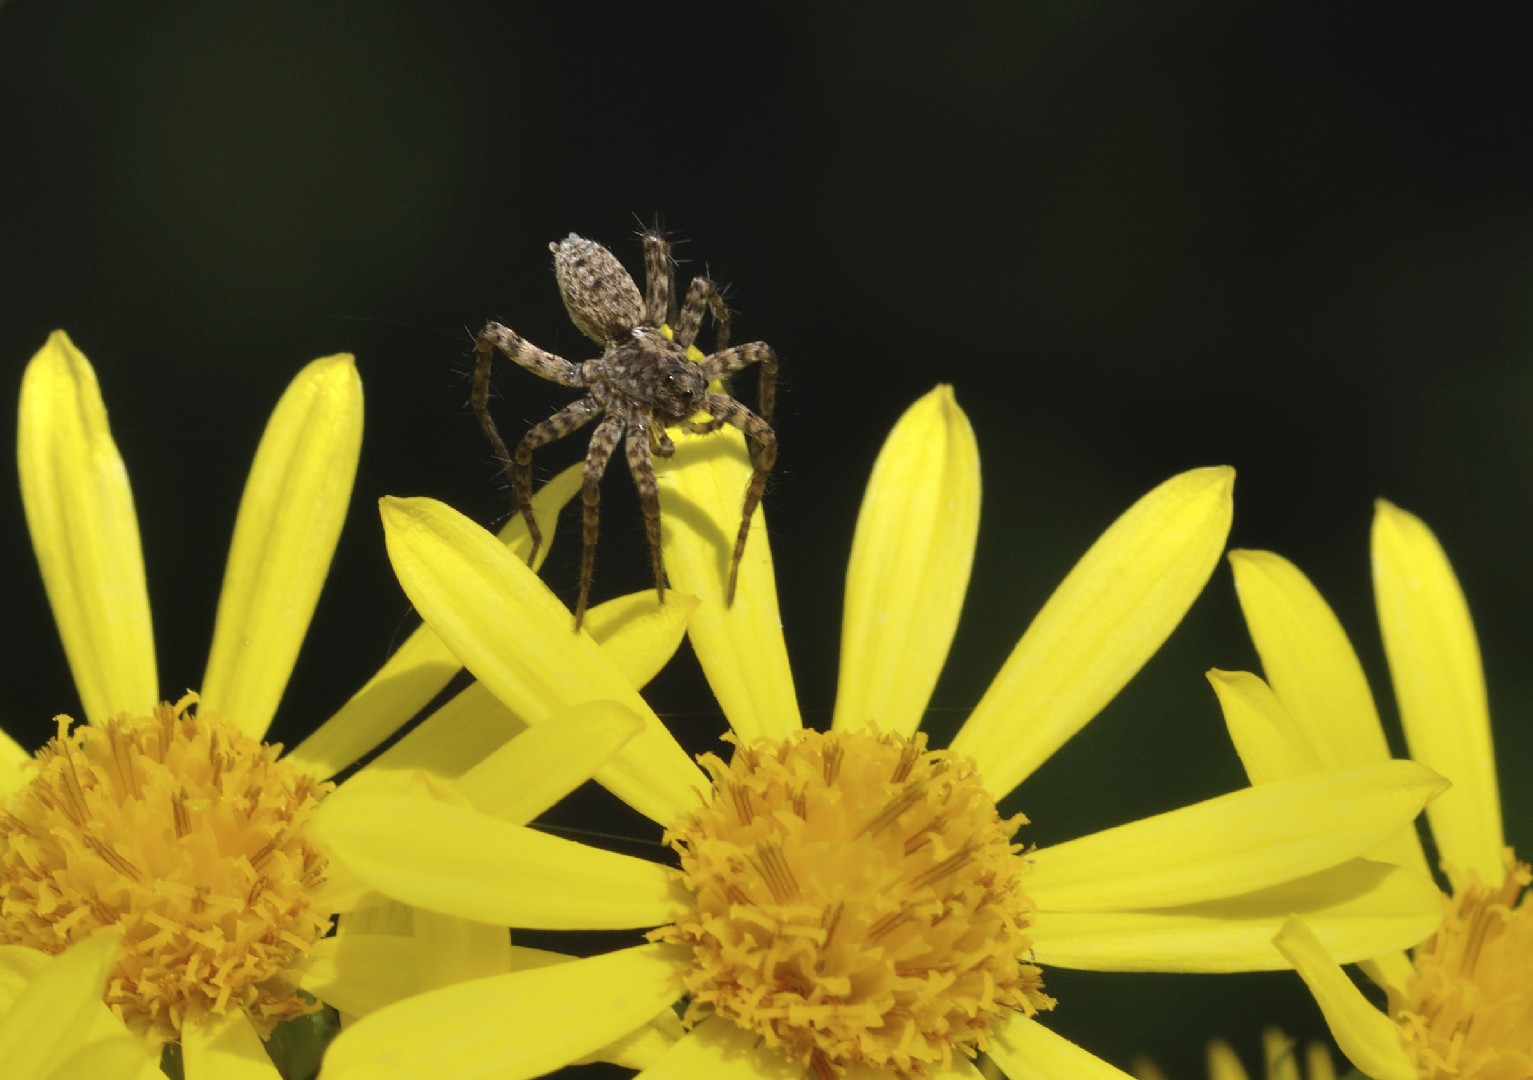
pixel 1134 238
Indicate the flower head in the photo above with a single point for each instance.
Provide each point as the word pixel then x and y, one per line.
pixel 852 903
pixel 1458 1007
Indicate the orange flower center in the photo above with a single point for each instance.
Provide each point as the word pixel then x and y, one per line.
pixel 858 901
pixel 1468 1013
pixel 185 834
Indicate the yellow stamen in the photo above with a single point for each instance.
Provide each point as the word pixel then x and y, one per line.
pixel 188 836
pixel 858 901
pixel 1468 1013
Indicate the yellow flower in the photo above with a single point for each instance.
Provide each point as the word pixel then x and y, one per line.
pixel 849 902
pixel 174 823
pixel 1460 1006
pixel 1280 1058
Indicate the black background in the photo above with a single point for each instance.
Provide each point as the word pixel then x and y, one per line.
pixel 1135 238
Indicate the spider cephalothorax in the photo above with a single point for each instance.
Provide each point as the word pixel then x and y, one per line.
pixel 641 384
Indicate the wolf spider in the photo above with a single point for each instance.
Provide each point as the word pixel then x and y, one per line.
pixel 641 384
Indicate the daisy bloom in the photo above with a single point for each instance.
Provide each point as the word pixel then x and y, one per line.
pixel 1460 1005
pixel 1281 1060
pixel 172 824
pixel 849 902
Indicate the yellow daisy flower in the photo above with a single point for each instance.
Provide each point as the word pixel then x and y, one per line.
pixel 1280 1057
pixel 174 823
pixel 849 902
pixel 1459 1006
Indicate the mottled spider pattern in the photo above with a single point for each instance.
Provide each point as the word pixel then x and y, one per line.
pixel 641 384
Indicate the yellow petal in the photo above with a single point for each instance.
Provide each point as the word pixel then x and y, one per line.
pixel 1440 684
pixel 1104 621
pixel 511 1026
pixel 422 666
pixel 289 521
pixel 1223 1064
pixel 452 950
pixel 639 634
pixel 545 763
pixel 1368 1037
pixel 455 738
pixel 1235 843
pixel 721 1050
pixel 1359 908
pixel 227 1048
pixel 1026 1050
pixel 79 510
pixel 55 1009
pixel 516 638
pixel 1315 673
pixel 1271 746
pixel 740 647
pixel 909 568
pixel 460 862
pixel 13 764
pixel 121 1057
pixel 362 973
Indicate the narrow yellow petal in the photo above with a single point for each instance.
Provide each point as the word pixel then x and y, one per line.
pixel 79 510
pixel 58 1005
pixel 1368 1037
pixel 1271 746
pixel 361 973
pixel 1026 1050
pixel 1359 908
pixel 721 1050
pixel 1311 666
pixel 1235 843
pixel 289 521
pixel 227 1048
pixel 639 634
pixel 452 950
pixel 1104 621
pixel 909 568
pixel 509 1027
pixel 460 862
pixel 548 761
pixel 455 738
pixel 1440 684
pixel 740 647
pixel 13 760
pixel 422 666
pixel 1223 1064
pixel 516 638
pixel 1390 971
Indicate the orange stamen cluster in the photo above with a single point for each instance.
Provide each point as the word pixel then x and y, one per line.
pixel 858 901
pixel 188 836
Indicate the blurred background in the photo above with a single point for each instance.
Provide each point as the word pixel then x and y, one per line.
pixel 1135 238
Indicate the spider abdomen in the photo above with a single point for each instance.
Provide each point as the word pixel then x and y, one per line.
pixel 602 300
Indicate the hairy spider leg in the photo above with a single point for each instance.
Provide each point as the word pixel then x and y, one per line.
pixel 603 440
pixel 763 443
pixel 573 417
pixel 659 279
pixel 524 353
pixel 726 362
pixel 641 464
pixel 702 295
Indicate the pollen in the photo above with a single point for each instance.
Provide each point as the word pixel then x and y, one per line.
pixel 1468 1013
pixel 188 836
pixel 858 902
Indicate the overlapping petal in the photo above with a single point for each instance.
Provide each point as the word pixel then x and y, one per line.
pixel 720 1050
pixel 226 1047
pixel 80 513
pixel 470 589
pixel 57 1013
pixel 909 567
pixel 289 522
pixel 1434 662
pixel 1108 616
pixel 1271 746
pixel 1026 1050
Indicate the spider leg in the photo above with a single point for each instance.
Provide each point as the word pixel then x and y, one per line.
pixel 642 466
pixel 659 279
pixel 603 440
pixel 763 443
pixel 702 295
pixel 575 415
pixel 728 361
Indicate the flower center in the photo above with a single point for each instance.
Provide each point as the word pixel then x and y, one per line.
pixel 187 835
pixel 1468 1014
pixel 858 901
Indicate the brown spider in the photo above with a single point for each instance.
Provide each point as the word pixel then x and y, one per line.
pixel 641 384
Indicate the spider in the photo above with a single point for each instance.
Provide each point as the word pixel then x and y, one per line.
pixel 641 384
